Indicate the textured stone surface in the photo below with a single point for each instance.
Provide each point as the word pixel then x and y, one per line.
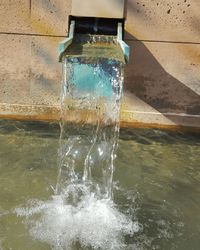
pixel 15 16
pixel 47 17
pixel 167 83
pixel 169 20
pixel 15 57
pixel 98 8
pixel 29 70
pixel 162 80
pixel 45 71
pixel 136 112
pixel 50 17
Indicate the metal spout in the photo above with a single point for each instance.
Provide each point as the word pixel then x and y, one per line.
pixel 99 17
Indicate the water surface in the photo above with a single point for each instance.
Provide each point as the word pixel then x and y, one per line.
pixel 156 185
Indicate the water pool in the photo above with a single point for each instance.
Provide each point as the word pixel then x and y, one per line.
pixel 156 183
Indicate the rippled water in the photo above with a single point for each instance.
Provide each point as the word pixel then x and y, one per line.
pixel 156 193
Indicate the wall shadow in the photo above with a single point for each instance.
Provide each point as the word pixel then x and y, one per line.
pixel 148 80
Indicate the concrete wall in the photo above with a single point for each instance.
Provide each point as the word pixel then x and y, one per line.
pixel 162 80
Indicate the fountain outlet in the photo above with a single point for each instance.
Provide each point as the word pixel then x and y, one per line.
pixel 99 17
pixel 93 57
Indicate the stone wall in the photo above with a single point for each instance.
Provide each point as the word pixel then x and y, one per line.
pixel 162 80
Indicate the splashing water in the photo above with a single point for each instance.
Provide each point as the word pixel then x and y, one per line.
pixel 93 223
pixel 82 214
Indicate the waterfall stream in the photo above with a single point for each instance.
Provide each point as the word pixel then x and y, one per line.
pixel 91 97
pixel 82 213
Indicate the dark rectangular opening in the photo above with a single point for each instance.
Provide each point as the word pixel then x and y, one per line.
pixel 96 26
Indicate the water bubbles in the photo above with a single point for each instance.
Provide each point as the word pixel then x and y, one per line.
pixel 93 223
pixel 100 151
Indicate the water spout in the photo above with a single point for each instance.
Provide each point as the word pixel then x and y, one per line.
pixel 93 59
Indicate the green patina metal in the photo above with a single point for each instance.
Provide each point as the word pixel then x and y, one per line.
pixel 82 44
pixel 85 51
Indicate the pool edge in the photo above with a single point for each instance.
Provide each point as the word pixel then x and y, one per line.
pixel 129 119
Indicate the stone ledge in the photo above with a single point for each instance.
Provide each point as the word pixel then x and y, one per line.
pixel 130 119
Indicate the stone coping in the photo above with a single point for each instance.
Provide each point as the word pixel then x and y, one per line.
pixel 129 119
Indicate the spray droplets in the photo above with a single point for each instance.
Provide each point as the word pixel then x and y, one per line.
pixel 92 223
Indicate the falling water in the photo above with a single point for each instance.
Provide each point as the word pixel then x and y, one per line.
pixel 82 214
pixel 87 153
pixel 90 96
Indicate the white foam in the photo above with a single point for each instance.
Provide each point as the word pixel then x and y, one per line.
pixel 92 222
